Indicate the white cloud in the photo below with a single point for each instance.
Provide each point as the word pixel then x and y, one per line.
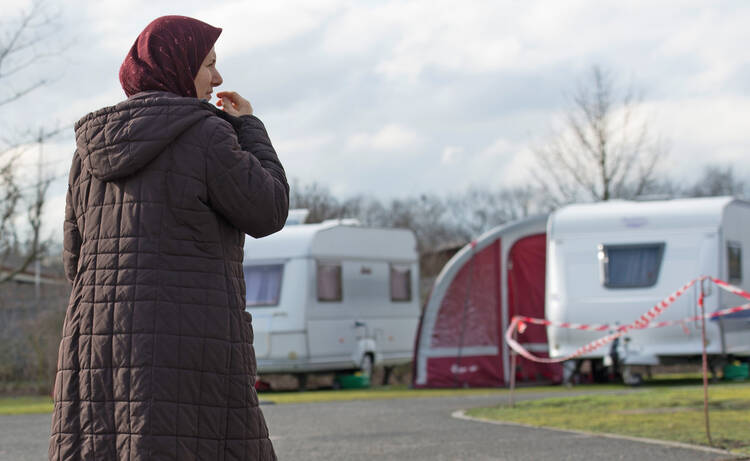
pixel 305 155
pixel 520 169
pixel 391 137
pixel 496 164
pixel 85 103
pixel 451 154
pixel 704 131
pixel 301 146
pixel 491 165
pixel 411 36
pixel 14 6
pixel 246 25
pixel 253 25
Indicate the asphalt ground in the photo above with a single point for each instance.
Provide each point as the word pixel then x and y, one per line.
pixel 399 429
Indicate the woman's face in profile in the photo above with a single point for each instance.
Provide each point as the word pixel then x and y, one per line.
pixel 208 77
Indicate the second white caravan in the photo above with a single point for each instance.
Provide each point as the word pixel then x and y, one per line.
pixel 608 263
pixel 333 296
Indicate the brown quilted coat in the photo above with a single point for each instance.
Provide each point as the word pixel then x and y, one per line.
pixel 156 360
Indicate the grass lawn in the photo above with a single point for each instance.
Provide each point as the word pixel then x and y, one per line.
pixel 662 412
pixel 25 405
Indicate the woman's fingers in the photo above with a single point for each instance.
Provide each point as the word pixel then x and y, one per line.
pixel 233 103
pixel 228 94
pixel 229 106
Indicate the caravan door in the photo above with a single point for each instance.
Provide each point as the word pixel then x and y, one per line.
pixel 331 325
pixel 386 298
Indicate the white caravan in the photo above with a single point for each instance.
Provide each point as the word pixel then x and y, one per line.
pixel 333 296
pixel 610 262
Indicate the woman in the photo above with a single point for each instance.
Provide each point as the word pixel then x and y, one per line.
pixel 156 360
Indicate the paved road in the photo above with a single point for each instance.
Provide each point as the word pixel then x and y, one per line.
pixel 411 429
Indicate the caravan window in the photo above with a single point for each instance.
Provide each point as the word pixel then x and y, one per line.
pixel 630 266
pixel 263 284
pixel 734 258
pixel 329 282
pixel 400 282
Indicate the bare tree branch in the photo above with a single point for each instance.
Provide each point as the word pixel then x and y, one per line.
pixel 25 41
pixel 18 94
pixel 717 181
pixel 604 149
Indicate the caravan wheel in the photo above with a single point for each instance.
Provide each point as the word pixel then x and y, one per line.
pixel 366 366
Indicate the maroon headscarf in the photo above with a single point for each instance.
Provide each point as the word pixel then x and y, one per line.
pixel 167 55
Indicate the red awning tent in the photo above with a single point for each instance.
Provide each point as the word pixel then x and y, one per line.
pixel 460 337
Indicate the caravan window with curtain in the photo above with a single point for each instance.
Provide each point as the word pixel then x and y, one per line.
pixel 263 284
pixel 630 266
pixel 329 282
pixel 400 282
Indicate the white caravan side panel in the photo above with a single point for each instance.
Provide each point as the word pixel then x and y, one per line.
pixel 577 294
pixel 736 234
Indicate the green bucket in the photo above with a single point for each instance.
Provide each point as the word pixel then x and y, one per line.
pixel 736 371
pixel 355 381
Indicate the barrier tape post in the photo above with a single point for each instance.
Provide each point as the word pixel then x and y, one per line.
pixel 513 361
pixel 702 310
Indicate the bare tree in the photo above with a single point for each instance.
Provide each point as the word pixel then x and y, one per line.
pixel 317 199
pixel 436 221
pixel 368 210
pixel 605 149
pixel 23 43
pixel 717 181
pixel 480 209
pixel 427 216
pixel 26 40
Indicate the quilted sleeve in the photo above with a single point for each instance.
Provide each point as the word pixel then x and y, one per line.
pixel 71 239
pixel 246 181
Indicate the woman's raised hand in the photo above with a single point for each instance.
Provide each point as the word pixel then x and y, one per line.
pixel 233 103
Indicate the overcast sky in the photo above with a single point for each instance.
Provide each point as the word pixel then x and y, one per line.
pixel 395 98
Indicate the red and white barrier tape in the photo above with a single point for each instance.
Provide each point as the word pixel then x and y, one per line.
pixel 643 322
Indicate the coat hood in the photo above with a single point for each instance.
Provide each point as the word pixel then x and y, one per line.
pixel 117 141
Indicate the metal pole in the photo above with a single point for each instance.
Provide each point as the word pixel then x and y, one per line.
pixel 37 263
pixel 701 308
pixel 37 280
pixel 513 360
